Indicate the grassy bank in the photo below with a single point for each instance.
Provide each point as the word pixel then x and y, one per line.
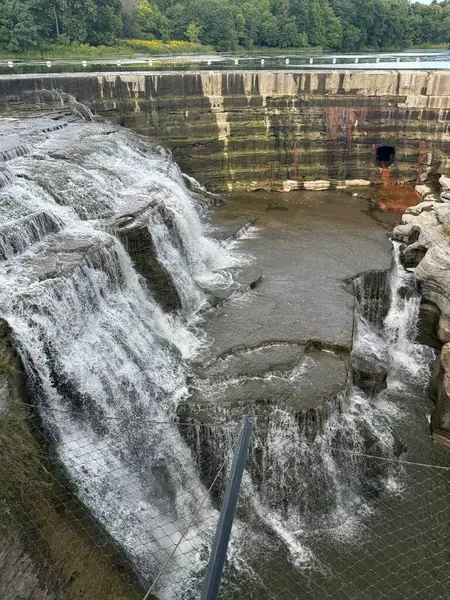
pixel 431 47
pixel 125 49
pixel 266 50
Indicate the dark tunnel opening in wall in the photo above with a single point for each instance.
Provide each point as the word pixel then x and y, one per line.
pixel 385 155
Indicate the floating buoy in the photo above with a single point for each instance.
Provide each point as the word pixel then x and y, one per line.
pixel 150 63
pixel 334 61
pixel 262 61
pixel 236 62
pixel 208 62
pixel 356 60
pixel 287 61
pixel 48 63
pixel 311 61
pixel 84 63
pixel 10 64
pixel 118 63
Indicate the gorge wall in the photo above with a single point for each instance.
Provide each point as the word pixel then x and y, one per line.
pixel 272 130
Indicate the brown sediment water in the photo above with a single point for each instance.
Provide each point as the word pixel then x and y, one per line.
pixel 385 176
pixel 397 197
pixel 394 196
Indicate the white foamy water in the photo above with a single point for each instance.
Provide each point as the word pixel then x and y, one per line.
pixel 104 361
pixel 311 476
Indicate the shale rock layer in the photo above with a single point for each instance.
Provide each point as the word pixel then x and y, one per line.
pixel 273 130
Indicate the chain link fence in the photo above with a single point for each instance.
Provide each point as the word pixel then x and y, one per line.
pixel 114 517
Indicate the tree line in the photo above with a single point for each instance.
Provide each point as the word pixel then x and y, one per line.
pixel 341 25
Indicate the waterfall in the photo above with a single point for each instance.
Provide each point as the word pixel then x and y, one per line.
pixel 104 362
pixel 316 474
pixel 19 235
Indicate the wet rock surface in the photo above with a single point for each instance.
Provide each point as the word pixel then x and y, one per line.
pixel 369 374
pixel 287 341
pixel 425 233
pixel 266 130
pixel 134 233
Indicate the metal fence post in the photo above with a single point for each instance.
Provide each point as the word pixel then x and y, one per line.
pixel 220 545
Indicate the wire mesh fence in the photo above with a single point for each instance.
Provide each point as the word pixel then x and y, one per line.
pixel 134 516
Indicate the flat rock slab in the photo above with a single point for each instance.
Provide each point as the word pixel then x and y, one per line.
pixel 316 376
pixel 305 254
pixel 286 342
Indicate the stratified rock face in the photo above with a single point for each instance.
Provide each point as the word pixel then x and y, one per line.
pixel 440 391
pixel 273 130
pixel 134 233
pixel 425 232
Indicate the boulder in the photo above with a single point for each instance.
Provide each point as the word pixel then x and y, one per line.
pixel 369 374
pixel 290 185
pixel 412 255
pixel 418 208
pixel 444 181
pixel 356 182
pixel 319 184
pixel 134 233
pixel 428 324
pixel 424 190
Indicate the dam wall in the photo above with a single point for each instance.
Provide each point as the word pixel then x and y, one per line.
pixel 268 130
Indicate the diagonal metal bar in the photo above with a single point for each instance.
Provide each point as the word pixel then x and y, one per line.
pixel 222 537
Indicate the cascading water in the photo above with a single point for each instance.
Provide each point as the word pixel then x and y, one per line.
pixel 312 477
pixel 94 343
pixel 97 347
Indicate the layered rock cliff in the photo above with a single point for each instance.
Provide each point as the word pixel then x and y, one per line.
pixel 425 234
pixel 272 130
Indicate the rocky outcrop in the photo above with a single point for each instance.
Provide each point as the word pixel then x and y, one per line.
pixel 273 130
pixel 440 392
pixel 133 231
pixel 425 233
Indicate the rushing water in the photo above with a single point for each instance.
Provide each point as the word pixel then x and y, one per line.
pixel 318 483
pixel 107 366
pixel 94 342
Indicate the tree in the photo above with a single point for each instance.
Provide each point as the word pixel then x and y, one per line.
pixel 18 29
pixel 348 25
pixel 153 23
pixel 75 18
pixel 333 28
pixel 179 16
pixel 106 23
pixel 216 20
pixel 269 33
pixel 193 32
pixel 290 36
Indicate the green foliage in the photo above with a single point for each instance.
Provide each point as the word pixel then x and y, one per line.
pixel 153 23
pixel 27 26
pixel 159 47
pixel 193 32
pixel 18 29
